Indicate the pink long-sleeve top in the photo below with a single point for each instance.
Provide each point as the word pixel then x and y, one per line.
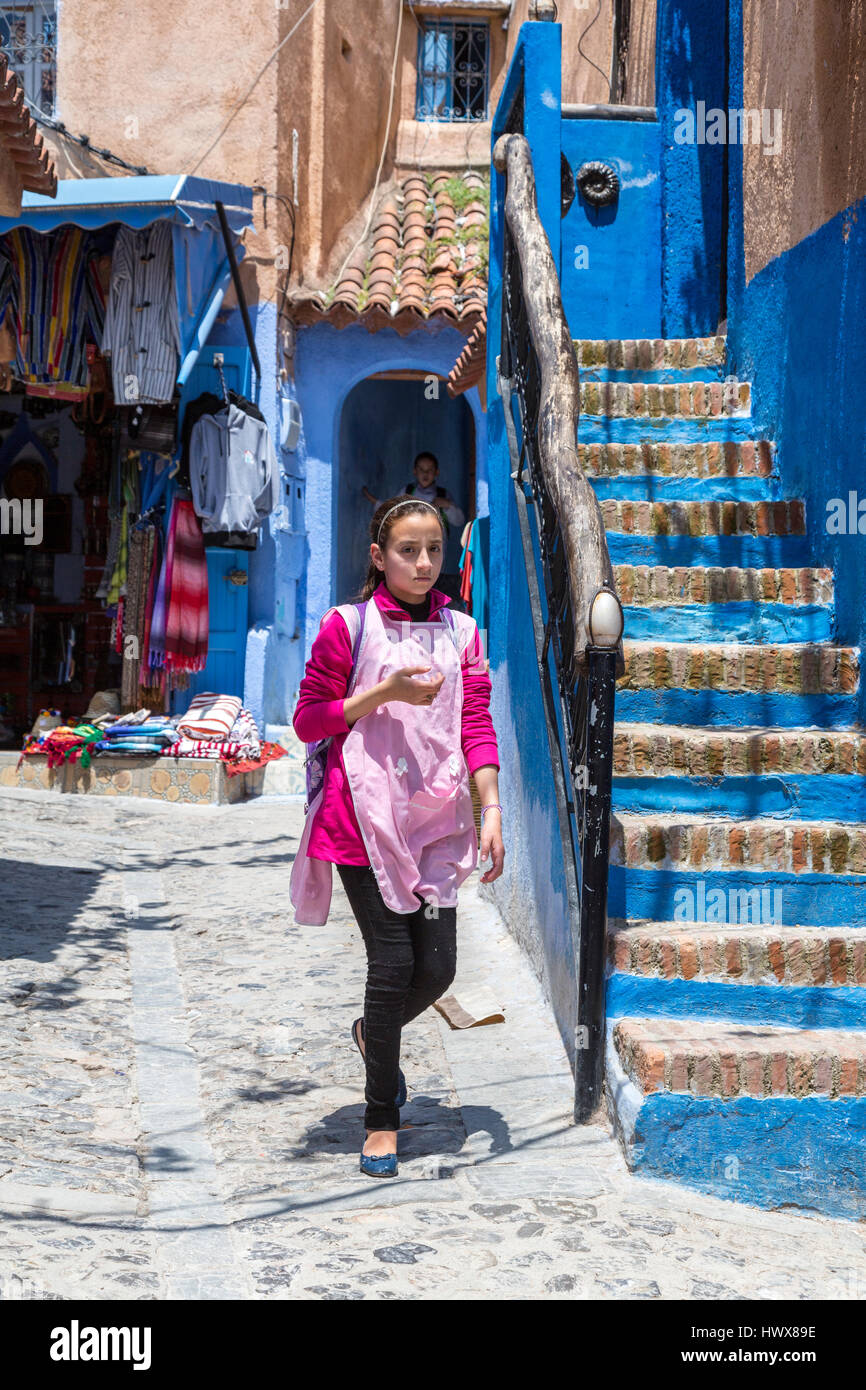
pixel 336 835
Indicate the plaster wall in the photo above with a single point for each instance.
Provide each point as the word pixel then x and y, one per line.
pixel 581 82
pixel 332 89
pixel 796 322
pixel 10 186
pixel 437 143
pixel 156 83
pixel 641 85
pixel 806 58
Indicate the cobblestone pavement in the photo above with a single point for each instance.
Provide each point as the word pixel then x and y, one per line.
pixel 181 1107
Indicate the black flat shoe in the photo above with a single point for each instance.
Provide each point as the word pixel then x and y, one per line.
pixel 401 1094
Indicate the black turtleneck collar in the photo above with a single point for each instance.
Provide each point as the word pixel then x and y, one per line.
pixel 418 612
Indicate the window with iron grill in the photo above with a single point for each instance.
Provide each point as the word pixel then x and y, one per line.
pixel 28 29
pixel 453 66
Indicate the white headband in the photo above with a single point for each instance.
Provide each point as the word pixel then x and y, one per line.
pixel 418 502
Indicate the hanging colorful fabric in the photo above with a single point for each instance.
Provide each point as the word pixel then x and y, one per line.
pixel 187 616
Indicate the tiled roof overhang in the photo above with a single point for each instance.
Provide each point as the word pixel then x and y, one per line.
pixel 20 139
pixel 419 260
pixel 469 367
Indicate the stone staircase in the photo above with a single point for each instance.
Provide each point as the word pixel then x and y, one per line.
pixel 736 995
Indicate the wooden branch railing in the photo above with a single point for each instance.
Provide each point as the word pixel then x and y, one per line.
pixel 538 370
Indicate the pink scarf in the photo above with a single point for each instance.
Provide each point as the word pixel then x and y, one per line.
pixel 187 614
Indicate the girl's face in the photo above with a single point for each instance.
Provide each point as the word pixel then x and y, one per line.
pixel 425 472
pixel 411 556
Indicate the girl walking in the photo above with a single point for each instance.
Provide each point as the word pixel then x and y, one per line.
pixel 409 720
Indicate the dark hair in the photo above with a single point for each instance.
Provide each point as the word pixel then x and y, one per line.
pixel 425 454
pixel 413 507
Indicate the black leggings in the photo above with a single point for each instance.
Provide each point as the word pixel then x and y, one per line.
pixel 411 960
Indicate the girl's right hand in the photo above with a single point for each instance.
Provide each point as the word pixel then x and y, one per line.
pixel 401 686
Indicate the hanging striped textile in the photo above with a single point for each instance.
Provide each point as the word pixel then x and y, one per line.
pixel 50 283
pixel 142 327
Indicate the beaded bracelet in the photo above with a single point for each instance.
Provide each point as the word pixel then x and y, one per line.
pixel 494 806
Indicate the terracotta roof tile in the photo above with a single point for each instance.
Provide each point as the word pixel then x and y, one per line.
pixel 20 140
pixel 469 367
pixel 422 256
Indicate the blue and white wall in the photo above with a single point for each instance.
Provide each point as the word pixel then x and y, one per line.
pixel 357 432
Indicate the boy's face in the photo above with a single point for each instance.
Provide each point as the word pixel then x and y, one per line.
pixel 425 472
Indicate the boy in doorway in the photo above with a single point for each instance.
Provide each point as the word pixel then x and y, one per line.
pixel 427 489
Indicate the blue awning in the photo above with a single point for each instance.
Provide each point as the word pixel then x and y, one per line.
pixel 137 201
pixel 201 266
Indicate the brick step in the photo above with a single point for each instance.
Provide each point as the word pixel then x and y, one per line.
pixel 681 584
pixel 652 354
pixel 683 400
pixel 700 459
pixel 717 518
pixel 759 953
pixel 729 1059
pixel 660 750
pixel 703 843
pixel 793 668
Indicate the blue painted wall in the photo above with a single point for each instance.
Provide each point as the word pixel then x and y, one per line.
pixel 383 425
pixel 530 894
pixel 274 567
pixel 808 391
pixel 329 364
pixel 797 331
pixel 690 68
pixel 611 256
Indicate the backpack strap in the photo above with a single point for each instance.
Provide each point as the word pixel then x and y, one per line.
pixel 354 616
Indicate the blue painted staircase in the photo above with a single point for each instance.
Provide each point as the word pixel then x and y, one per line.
pixel 736 997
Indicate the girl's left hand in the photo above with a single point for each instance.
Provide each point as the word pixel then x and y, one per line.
pixel 491 843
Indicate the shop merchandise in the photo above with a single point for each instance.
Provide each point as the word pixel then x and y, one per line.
pixel 64 743
pixel 187 614
pixel 473 585
pixel 234 475
pixel 142 327
pixel 50 282
pixel 104 706
pixel 233 735
pixel 142 544
pixel 120 598
pixel 210 716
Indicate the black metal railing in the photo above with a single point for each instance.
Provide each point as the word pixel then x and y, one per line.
pixel 563 537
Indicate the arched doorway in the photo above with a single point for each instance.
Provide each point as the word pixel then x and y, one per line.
pixel 386 420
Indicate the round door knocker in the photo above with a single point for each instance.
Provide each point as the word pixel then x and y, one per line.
pixel 598 183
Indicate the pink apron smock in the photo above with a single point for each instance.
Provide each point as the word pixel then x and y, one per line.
pixel 407 776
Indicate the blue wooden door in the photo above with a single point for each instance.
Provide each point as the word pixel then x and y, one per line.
pixel 228 605
pixel 228 602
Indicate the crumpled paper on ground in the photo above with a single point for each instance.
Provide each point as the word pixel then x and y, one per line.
pixel 470 1007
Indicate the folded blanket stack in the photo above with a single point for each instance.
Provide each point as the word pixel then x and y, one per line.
pixel 150 735
pixel 217 727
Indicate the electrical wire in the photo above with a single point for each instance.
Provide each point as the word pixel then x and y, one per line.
pixel 281 198
pixel 583 34
pixel 245 98
pixel 83 140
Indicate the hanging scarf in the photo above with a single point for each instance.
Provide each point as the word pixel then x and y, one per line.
pixel 187 616
pixel 140 562
pixel 156 641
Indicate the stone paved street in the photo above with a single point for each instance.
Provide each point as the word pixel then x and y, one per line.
pixel 181 1106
